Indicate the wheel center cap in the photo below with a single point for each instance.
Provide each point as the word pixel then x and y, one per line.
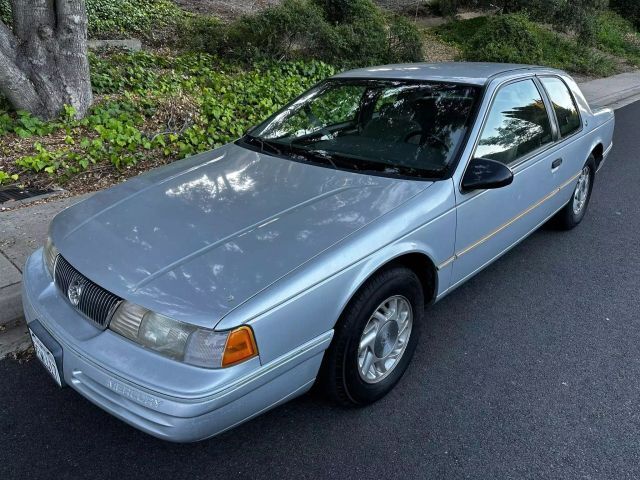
pixel 386 339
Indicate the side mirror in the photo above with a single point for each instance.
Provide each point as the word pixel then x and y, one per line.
pixel 483 173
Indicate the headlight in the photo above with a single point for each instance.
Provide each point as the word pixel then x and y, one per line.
pixel 49 255
pixel 180 341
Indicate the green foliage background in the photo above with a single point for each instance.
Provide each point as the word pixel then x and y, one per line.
pixel 515 38
pixel 113 18
pixel 215 79
pixel 342 32
pixel 224 99
pixel 629 9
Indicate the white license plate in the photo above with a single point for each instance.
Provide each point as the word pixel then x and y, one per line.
pixel 46 357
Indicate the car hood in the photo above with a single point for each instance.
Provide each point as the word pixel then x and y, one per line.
pixel 195 239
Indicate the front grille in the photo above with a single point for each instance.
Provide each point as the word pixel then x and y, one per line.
pixel 93 301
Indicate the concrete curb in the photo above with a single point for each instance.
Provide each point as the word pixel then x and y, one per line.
pixel 10 304
pixel 132 44
pixel 614 92
pixel 21 232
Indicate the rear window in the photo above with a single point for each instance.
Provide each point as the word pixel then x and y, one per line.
pixel 563 104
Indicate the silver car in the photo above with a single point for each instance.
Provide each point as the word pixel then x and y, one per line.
pixel 201 294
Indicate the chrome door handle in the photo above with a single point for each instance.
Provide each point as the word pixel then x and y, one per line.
pixel 556 163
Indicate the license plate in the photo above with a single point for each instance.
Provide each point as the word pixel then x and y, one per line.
pixel 46 357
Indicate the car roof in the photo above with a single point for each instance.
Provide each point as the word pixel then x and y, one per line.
pixel 474 73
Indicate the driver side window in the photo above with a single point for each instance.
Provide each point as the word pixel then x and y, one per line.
pixel 518 123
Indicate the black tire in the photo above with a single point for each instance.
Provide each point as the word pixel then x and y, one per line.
pixel 567 218
pixel 340 377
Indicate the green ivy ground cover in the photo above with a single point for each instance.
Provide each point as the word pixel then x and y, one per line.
pixel 150 106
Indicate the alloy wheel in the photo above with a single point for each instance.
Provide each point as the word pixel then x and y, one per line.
pixel 384 339
pixel 581 193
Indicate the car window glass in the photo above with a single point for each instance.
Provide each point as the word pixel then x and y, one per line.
pixel 391 126
pixel 517 124
pixel 563 104
pixel 336 106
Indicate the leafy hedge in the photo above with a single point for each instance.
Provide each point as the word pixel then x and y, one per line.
pixel 618 36
pixel 506 38
pixel 158 106
pixel 347 32
pixel 629 9
pixel 515 38
pixel 566 15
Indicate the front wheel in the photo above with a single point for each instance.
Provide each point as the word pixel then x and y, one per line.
pixel 375 338
pixel 574 211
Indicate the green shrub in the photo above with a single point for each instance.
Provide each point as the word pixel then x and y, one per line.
pixel 460 31
pixel 361 40
pixel 205 33
pixel 566 15
pixel 629 9
pixel 345 11
pixel 506 38
pixel 405 41
pixel 618 36
pixel 296 28
pixel 577 16
pixel 522 41
pixel 336 31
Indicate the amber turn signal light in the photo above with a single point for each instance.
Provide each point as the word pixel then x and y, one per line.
pixel 240 346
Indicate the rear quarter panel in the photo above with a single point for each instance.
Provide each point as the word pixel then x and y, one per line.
pixel 598 128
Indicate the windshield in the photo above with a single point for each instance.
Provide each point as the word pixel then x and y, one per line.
pixel 393 127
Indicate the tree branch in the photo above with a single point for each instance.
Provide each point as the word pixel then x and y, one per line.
pixel 7 41
pixel 17 87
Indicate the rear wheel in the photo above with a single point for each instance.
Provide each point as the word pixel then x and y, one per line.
pixel 375 338
pixel 574 211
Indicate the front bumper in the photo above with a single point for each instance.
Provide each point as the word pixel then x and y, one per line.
pixel 162 397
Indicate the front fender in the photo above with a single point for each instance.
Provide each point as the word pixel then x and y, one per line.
pixel 309 302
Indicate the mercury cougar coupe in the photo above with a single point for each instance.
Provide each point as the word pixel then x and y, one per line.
pixel 201 294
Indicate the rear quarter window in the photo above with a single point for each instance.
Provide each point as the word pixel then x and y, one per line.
pixel 563 105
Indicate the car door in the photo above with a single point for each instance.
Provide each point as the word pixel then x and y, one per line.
pixel 571 148
pixel 518 131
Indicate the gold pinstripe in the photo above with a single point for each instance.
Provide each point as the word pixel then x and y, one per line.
pixel 508 223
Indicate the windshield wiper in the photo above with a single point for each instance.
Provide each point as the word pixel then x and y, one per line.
pixel 263 143
pixel 325 157
pixel 367 166
pixel 322 155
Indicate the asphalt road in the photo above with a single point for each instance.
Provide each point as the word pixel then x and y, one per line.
pixel 530 370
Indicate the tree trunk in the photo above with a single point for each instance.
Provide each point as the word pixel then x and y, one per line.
pixel 43 62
